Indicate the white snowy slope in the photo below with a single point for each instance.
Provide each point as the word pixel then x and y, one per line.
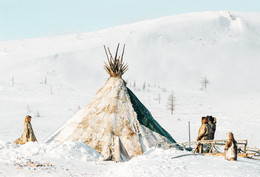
pixel 51 78
pixel 224 46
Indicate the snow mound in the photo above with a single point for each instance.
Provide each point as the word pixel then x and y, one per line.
pixel 70 150
pixel 39 159
pixel 159 162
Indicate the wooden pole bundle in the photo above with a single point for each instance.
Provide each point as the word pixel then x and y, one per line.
pixel 115 66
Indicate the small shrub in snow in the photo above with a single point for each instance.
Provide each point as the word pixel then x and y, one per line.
pixel 37 114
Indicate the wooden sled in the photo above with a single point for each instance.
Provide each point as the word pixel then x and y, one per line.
pixel 216 148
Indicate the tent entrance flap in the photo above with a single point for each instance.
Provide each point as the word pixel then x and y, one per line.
pixel 119 153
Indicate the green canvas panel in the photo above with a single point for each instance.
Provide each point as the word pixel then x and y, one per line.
pixel 145 117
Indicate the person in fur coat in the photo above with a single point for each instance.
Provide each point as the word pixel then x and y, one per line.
pixel 203 134
pixel 204 130
pixel 212 124
pixel 231 148
pixel 28 134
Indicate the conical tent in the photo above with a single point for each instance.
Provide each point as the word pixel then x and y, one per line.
pixel 114 122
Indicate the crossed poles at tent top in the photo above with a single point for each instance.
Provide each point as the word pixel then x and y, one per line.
pixel 115 67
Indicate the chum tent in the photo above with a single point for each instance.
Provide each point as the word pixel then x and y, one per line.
pixel 114 122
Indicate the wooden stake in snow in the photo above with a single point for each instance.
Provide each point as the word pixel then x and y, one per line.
pixel 189 132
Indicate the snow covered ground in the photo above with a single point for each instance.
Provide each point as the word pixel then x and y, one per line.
pixel 51 78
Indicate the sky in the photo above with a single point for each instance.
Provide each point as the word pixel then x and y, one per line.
pixel 20 19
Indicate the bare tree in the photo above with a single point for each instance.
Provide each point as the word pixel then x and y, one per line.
pixel 12 81
pixel 171 102
pixel 45 80
pixel 204 83
pixel 144 85
pixel 134 85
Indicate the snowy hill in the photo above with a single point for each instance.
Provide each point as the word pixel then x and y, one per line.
pixel 224 46
pixel 52 77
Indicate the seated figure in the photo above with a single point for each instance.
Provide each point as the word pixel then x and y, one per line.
pixel 231 148
pixel 28 134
